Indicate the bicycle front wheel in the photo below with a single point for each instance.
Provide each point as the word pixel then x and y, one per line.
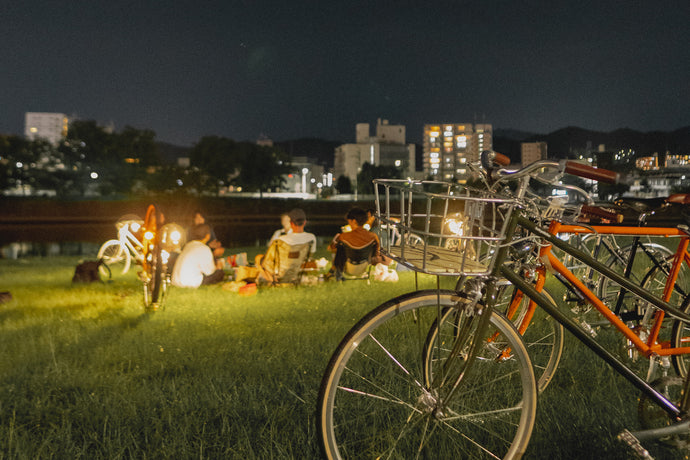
pixel 374 401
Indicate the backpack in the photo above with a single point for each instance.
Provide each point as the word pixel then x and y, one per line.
pixel 87 272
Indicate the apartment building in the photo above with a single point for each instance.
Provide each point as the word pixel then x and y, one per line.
pixel 49 126
pixel 448 147
pixel 386 148
pixel 532 151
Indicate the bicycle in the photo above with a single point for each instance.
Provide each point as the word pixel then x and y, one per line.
pixel 443 369
pixel 125 248
pixel 158 243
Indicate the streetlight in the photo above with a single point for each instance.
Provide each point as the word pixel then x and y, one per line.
pixel 305 171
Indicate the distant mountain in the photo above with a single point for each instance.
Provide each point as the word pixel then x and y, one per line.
pixel 573 141
pixel 566 142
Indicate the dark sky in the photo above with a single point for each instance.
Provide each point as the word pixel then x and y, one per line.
pixel 294 69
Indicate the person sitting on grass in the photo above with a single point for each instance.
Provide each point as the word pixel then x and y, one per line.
pixel 213 243
pixel 196 266
pixel 283 230
pixel 357 237
pixel 297 235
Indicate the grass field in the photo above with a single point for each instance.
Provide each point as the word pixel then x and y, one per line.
pixel 86 374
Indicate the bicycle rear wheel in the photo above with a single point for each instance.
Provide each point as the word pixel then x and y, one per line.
pixel 374 401
pixel 544 336
pixel 153 266
pixel 115 256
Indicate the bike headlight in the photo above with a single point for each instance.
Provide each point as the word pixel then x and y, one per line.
pixel 172 237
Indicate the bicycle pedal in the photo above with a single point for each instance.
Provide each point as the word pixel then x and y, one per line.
pixel 631 441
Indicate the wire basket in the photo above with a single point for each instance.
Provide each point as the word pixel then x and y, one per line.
pixel 440 228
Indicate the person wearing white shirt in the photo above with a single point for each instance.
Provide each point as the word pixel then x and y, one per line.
pixel 298 219
pixel 196 266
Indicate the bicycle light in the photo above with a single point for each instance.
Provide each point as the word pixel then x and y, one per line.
pixel 172 237
pixel 455 225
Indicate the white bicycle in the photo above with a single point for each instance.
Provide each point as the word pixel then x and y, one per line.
pixel 117 254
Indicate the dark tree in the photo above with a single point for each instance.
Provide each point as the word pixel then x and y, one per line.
pixel 343 185
pixel 218 160
pixel 262 168
pixel 369 172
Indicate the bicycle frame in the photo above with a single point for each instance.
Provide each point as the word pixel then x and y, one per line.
pixel 611 247
pixel 533 293
pixel 130 242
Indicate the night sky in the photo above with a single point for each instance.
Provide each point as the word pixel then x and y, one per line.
pixel 288 70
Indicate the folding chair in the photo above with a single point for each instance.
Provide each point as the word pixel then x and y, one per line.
pixel 283 262
pixel 355 265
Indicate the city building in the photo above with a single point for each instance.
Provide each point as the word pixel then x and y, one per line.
pixel 386 148
pixel 309 178
pixel 677 161
pixel 49 126
pixel 618 160
pixel 448 147
pixel 532 151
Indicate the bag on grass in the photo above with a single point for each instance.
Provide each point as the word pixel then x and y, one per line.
pixel 87 272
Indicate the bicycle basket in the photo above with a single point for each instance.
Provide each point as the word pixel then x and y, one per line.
pixel 440 228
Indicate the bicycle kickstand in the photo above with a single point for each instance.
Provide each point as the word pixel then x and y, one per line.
pixel 633 443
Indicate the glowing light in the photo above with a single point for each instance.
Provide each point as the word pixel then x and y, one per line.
pixel 135 226
pixel 148 235
pixel 94 175
pixel 456 225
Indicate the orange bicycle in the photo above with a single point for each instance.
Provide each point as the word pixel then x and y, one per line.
pixel 159 241
pixel 445 372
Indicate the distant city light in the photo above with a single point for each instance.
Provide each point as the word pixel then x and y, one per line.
pixel 94 175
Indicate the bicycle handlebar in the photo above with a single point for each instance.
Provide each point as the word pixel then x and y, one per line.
pixel 491 159
pixel 590 172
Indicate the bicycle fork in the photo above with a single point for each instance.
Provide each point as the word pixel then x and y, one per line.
pixel 473 317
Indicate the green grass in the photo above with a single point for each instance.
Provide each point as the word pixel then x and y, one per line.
pixel 86 374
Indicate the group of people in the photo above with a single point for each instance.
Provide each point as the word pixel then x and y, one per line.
pixel 201 260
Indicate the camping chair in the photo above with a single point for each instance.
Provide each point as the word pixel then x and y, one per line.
pixel 356 265
pixel 284 262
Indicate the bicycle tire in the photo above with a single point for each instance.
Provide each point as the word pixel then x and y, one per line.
pixel 113 254
pixel 608 290
pixel 680 337
pixel 154 286
pixel 373 401
pixel 652 416
pixel 544 336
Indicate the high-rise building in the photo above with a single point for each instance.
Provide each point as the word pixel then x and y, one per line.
pixel 448 147
pixel 532 151
pixel 386 148
pixel 49 126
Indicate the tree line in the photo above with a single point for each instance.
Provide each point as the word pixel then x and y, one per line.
pixel 93 160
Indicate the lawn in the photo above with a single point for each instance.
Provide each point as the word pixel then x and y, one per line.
pixel 87 374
